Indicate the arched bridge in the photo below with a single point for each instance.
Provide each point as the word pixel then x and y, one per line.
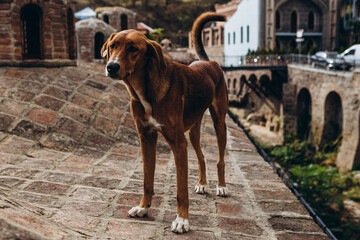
pixel 317 104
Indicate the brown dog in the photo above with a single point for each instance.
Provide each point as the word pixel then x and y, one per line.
pixel 170 98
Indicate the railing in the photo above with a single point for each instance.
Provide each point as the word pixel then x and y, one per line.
pixel 267 60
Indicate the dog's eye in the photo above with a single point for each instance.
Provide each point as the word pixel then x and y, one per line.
pixel 113 46
pixel 132 49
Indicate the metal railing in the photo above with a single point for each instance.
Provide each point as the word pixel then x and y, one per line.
pixel 268 60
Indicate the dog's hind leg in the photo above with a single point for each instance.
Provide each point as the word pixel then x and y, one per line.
pixel 218 110
pixel 194 135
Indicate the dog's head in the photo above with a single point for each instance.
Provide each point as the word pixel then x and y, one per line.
pixel 130 51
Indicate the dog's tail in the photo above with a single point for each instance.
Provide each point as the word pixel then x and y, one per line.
pixel 196 32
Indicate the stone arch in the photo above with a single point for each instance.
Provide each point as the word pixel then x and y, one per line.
pixel 303 114
pixel 99 40
pixel 253 79
pixel 242 84
pixel 31 16
pixel 333 119
pixel 234 85
pixel 264 82
pixel 277 20
pixel 229 84
pixel 124 21
pixel 71 33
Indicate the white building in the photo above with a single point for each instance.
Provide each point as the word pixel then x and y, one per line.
pixel 244 31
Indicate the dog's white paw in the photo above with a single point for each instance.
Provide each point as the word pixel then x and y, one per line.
pixel 180 225
pixel 222 191
pixel 138 212
pixel 201 189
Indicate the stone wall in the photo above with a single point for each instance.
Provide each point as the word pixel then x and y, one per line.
pixel 57 38
pixel 320 83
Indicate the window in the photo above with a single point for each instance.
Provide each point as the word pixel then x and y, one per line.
pixel 229 40
pixel 277 21
pixel 234 38
pixel 31 18
pixel 99 42
pixel 106 19
pixel 241 35
pixel 248 33
pixel 351 52
pixel 311 20
pixel 124 22
pixel 71 34
pixel 293 26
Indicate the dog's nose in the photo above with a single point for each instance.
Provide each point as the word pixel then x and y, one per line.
pixel 112 68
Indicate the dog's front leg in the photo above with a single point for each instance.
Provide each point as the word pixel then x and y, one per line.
pixel 148 139
pixel 178 144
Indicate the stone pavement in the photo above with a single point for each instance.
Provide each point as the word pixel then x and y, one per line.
pixel 70 168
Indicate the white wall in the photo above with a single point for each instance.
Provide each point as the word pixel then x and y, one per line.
pixel 246 16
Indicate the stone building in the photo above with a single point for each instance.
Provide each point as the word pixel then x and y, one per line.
pixel 39 32
pixel 318 18
pixel 91 35
pixel 119 18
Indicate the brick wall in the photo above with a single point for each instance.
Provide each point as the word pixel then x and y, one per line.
pixel 54 39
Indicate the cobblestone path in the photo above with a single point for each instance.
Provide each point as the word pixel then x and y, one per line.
pixel 70 168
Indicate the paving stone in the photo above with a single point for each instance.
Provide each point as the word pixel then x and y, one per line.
pixel 93 209
pixel 301 236
pixel 8 231
pixel 32 223
pixel 101 182
pixel 15 145
pixel 92 194
pixel 18 172
pixel 29 130
pixel 21 95
pixel 129 230
pixel 32 86
pixel 10 182
pixel 84 101
pixel 191 235
pixel 240 225
pixel 75 220
pixel 78 113
pixel 47 188
pixel 12 107
pixel 49 102
pixel 43 116
pixel 71 128
pixel 59 142
pixel 5 122
pixel 293 224
pixel 58 92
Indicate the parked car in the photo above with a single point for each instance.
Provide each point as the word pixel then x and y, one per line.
pixel 329 60
pixel 352 55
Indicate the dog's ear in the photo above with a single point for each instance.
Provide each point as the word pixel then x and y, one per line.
pixel 105 48
pixel 154 52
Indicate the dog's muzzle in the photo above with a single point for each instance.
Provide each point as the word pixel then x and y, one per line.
pixel 112 69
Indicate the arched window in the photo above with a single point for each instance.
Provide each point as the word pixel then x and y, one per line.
pixel 277 20
pixel 31 21
pixel 106 18
pixel 124 21
pixel 98 43
pixel 71 33
pixel 311 20
pixel 293 26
